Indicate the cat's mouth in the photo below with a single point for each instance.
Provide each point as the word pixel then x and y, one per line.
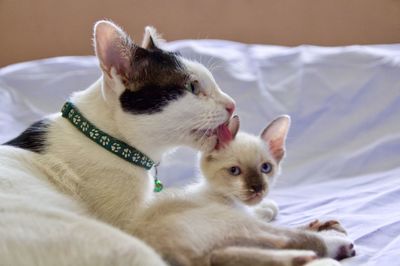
pixel 224 135
pixel 204 133
pixel 254 198
pixel 220 133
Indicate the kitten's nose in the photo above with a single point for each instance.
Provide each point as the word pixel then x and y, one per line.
pixel 257 188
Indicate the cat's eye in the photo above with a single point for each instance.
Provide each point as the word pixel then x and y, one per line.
pixel 235 170
pixel 266 168
pixel 193 87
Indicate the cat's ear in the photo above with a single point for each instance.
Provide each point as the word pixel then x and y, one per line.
pixel 234 125
pixel 275 136
pixel 113 48
pixel 151 38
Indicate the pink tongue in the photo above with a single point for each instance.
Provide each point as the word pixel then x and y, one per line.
pixel 224 136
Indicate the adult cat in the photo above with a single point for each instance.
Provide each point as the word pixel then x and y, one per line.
pixel 54 179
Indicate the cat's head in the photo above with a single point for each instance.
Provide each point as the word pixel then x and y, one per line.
pixel 156 95
pixel 245 168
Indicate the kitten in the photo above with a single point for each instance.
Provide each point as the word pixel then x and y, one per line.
pixel 210 223
pixel 54 180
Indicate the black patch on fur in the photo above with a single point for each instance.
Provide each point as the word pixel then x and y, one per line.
pixel 33 138
pixel 149 99
pixel 157 77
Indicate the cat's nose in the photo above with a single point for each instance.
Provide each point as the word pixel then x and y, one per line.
pixel 257 188
pixel 227 102
pixel 230 107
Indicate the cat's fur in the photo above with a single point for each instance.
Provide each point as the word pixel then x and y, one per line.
pixel 210 223
pixel 59 190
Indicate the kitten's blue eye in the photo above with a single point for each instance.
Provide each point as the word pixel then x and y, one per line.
pixel 193 87
pixel 266 168
pixel 235 170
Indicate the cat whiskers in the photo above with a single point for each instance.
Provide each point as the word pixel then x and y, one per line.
pixel 204 136
pixel 205 123
pixel 204 127
pixel 212 64
pixel 198 125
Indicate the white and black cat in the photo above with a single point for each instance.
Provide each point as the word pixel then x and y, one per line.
pixel 57 176
pixel 211 223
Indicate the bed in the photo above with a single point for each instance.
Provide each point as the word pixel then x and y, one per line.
pixel 343 149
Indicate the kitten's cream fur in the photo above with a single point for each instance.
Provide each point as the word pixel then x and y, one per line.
pixel 210 223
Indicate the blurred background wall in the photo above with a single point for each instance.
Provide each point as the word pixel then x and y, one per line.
pixel 32 29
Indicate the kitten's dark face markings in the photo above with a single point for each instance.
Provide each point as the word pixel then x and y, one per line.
pixel 33 138
pixel 158 77
pixel 254 180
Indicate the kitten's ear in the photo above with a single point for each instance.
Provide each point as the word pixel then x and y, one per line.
pixel 275 136
pixel 113 48
pixel 234 125
pixel 151 38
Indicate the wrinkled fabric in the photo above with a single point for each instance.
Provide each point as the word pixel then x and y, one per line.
pixel 343 148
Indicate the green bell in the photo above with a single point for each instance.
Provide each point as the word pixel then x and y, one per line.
pixel 158 186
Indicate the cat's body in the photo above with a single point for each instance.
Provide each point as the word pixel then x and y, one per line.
pixel 40 225
pixel 60 191
pixel 212 222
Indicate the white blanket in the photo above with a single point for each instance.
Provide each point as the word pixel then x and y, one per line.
pixel 343 150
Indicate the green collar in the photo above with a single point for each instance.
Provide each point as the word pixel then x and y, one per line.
pixel 113 145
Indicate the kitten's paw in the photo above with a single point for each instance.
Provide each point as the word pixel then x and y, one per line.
pixel 304 258
pixel 261 257
pixel 292 257
pixel 324 262
pixel 338 246
pixel 318 226
pixel 267 210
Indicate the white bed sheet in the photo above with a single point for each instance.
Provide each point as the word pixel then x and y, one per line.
pixel 343 156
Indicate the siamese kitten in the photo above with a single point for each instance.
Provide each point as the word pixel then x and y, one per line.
pixel 211 223
pixel 60 191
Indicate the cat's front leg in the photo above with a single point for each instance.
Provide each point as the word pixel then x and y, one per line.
pixel 324 262
pixel 330 243
pixel 238 256
pixel 318 226
pixel 339 246
pixel 267 210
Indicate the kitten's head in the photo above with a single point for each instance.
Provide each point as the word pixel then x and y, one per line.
pixel 245 167
pixel 158 94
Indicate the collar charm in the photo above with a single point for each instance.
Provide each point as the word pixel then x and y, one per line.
pixel 158 186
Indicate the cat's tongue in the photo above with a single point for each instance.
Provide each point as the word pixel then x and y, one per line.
pixel 224 136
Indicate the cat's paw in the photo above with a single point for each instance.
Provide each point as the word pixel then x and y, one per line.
pixel 318 226
pixel 291 257
pixel 267 210
pixel 303 258
pixel 324 262
pixel 338 245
